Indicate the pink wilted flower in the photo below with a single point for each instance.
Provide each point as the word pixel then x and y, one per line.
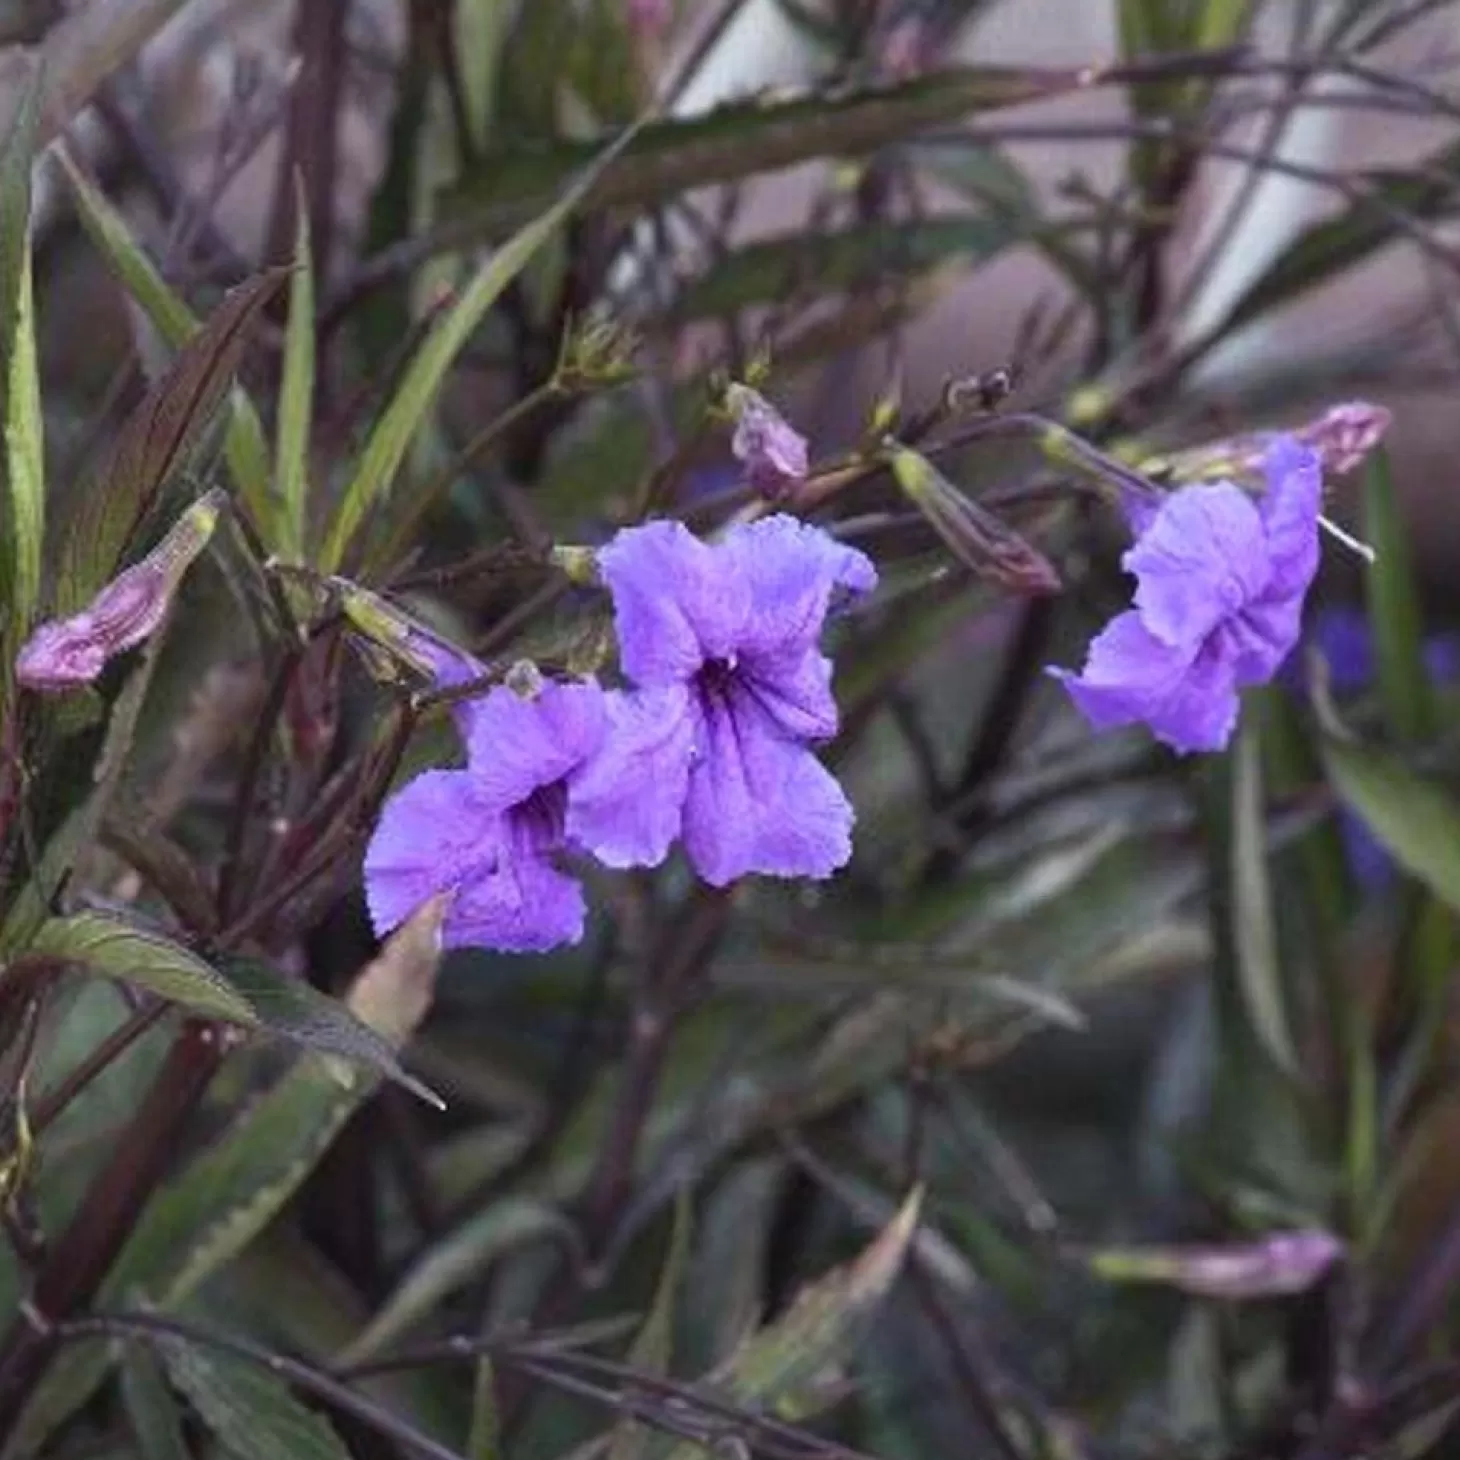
pixel 772 452
pixel 1275 1266
pixel 64 653
pixel 728 636
pixel 1221 580
pixel 1344 435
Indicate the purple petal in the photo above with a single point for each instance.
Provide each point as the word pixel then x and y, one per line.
pixel 794 689
pixel 1188 700
pixel 1200 560
pixel 759 802
pixel 625 805
pixel 676 602
pixel 434 835
pixel 516 745
pixel 524 905
pixel 791 571
pixel 1260 638
pixel 1289 510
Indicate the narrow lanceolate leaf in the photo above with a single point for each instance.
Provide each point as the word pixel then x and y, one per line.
pixel 1416 820
pixel 779 1364
pixel 152 1411
pixel 1394 610
pixel 248 1410
pixel 217 1204
pixel 296 400
pixel 653 1345
pixel 744 138
pixel 289 1009
pixel 109 948
pixel 156 439
pixel 22 504
pixel 416 394
pixel 244 447
pixel 1254 932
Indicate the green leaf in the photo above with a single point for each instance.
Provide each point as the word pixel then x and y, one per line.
pixel 775 1366
pixel 1417 821
pixel 244 447
pixel 22 504
pixel 740 139
pixel 484 1442
pixel 296 399
pixel 1254 932
pixel 416 394
pixel 113 949
pixel 156 439
pixel 151 1409
pixel 653 1345
pixel 1323 250
pixel 291 1009
pixel 250 1411
pixel 1394 610
pixel 448 1266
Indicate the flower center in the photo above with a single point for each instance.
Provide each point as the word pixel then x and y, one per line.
pixel 539 820
pixel 716 678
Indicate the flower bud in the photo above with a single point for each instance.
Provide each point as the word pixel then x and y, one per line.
pixel 771 451
pixel 396 639
pixel 64 653
pixel 1284 1263
pixel 1344 435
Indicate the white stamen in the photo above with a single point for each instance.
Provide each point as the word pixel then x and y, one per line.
pixel 1348 540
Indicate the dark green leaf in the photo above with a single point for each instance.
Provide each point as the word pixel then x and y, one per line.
pixel 1394 611
pixel 1326 249
pixel 155 440
pixel 743 138
pixel 250 1411
pixel 1415 819
pixel 110 948
pixel 291 1009
pixel 151 1409
pixel 296 398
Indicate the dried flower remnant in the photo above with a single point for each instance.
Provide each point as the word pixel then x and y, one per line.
pixel 1221 581
pixel 772 452
pixel 65 653
pixel 1276 1266
pixel 728 636
pixel 1345 434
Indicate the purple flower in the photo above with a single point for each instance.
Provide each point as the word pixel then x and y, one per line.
pixel 771 451
pixel 727 635
pixel 559 771
pixel 1220 585
pixel 64 653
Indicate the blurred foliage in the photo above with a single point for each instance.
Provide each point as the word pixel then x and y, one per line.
pixel 979 1148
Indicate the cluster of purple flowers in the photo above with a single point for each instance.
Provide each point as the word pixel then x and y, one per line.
pixel 710 743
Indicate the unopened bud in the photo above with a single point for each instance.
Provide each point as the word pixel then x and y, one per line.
pixel 974 536
pixel 64 653
pixel 772 452
pixel 577 564
pixel 1285 1263
pixel 1344 435
pixel 398 640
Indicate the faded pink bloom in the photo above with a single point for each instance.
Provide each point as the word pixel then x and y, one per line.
pixel 772 452
pixel 1275 1266
pixel 1344 435
pixel 64 653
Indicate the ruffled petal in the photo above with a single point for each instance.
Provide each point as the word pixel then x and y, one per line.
pixel 1259 640
pixel 1289 510
pixel 759 802
pixel 794 689
pixel 791 570
pixel 1188 700
pixel 434 835
pixel 626 804
pixel 516 745
pixel 676 602
pixel 1201 559
pixel 524 905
